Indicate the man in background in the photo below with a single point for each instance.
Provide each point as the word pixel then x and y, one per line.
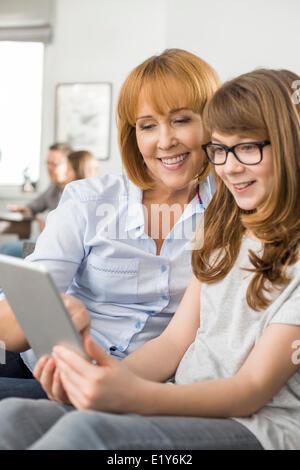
pixel 59 174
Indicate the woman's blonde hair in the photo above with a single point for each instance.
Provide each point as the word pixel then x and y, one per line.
pixel 160 77
pixel 257 104
pixel 84 164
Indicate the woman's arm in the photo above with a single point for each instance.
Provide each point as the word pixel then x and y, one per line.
pixel 12 334
pixel 10 331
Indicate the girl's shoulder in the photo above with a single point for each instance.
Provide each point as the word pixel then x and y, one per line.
pixel 295 267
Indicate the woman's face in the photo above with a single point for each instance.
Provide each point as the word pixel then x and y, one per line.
pixel 250 185
pixel 170 144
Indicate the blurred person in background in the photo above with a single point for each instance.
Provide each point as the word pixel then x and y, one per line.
pixel 63 166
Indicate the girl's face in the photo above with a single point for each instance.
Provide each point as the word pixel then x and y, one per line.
pixel 249 185
pixel 170 144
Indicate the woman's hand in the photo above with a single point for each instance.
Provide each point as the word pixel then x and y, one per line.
pixel 79 314
pixel 107 386
pixel 45 370
pixel 41 222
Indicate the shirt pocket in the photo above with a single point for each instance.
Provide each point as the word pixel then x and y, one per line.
pixel 111 279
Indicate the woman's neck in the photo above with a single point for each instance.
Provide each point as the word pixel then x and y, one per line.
pixel 170 196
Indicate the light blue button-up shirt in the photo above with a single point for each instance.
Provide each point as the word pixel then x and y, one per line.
pixel 95 247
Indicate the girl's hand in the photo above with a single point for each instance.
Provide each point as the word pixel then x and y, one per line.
pixel 47 374
pixel 107 386
pixel 45 370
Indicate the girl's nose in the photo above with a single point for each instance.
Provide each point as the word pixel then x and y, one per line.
pixel 232 164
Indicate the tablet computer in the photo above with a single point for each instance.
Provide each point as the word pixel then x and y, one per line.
pixel 38 306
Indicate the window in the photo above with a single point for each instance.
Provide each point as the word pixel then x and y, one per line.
pixel 21 80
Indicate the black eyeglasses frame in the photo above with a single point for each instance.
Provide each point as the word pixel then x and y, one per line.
pixel 227 149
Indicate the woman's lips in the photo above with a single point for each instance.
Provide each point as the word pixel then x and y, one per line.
pixel 175 165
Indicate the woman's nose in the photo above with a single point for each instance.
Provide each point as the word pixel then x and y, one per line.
pixel 167 138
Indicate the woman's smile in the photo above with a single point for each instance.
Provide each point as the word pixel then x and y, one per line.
pixel 174 162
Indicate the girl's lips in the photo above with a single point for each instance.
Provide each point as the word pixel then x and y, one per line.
pixel 243 189
pixel 175 166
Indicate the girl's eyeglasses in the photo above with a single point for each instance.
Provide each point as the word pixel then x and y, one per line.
pixel 247 153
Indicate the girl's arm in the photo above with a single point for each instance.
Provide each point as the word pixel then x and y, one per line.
pixel 158 359
pixel 268 367
pixel 113 387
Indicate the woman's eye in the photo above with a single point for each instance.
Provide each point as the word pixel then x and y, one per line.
pixel 146 127
pixel 182 120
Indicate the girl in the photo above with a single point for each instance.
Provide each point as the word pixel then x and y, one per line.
pixel 237 383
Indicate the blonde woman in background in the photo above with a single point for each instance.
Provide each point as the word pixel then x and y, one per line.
pixel 82 164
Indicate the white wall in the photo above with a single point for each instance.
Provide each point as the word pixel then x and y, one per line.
pixel 99 40
pixel 236 36
pixel 102 40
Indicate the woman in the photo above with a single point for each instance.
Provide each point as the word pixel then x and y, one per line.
pixel 120 243
pixel 82 164
pixel 236 370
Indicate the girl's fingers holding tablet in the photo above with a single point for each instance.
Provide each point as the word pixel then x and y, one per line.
pixel 46 377
pixel 58 391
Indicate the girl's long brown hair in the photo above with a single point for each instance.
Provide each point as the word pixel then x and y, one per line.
pixel 261 104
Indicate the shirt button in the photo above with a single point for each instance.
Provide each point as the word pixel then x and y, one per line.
pixel 120 348
pixel 138 325
pixel 165 297
pixel 169 240
pixel 163 268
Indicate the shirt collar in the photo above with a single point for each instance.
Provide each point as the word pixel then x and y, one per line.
pixel 135 214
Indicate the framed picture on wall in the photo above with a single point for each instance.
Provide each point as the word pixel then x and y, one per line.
pixel 83 114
